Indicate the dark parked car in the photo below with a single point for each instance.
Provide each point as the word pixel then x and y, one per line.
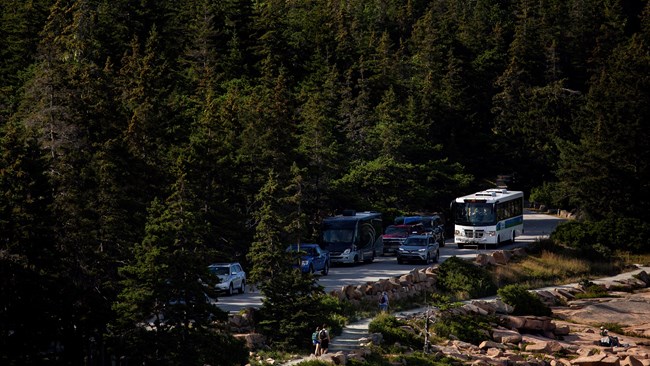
pixel 434 225
pixel 419 248
pixel 395 235
pixel 313 258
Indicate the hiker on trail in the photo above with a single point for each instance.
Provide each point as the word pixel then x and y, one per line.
pixel 383 302
pixel 315 341
pixel 324 338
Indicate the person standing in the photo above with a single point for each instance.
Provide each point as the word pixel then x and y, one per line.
pixel 324 338
pixel 315 341
pixel 383 302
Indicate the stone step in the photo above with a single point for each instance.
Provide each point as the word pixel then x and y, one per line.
pixel 348 340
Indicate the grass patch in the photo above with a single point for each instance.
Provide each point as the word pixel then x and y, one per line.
pixel 277 355
pixel 548 268
pixel 629 259
pixel 612 327
pixel 592 291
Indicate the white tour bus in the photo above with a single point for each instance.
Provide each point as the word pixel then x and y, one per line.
pixel 488 218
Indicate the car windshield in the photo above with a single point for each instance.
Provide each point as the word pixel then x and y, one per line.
pixel 220 271
pixel 416 242
pixel 392 230
pixel 309 250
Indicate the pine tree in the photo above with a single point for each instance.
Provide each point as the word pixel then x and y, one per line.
pixel 64 102
pixel 319 149
pixel 166 313
pixel 292 303
pixel 606 172
pixel 29 261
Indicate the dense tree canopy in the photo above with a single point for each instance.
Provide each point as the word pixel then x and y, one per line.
pixel 134 135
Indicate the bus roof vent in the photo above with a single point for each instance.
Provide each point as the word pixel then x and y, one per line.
pixel 349 213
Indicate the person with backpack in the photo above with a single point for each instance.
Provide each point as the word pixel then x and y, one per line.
pixel 383 302
pixel 316 341
pixel 324 338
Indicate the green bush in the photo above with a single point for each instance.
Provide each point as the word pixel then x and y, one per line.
pixel 523 301
pixel 390 329
pixel 464 279
pixel 547 194
pixel 313 363
pixel 598 239
pixel 468 328
pixel 420 359
pixel 583 236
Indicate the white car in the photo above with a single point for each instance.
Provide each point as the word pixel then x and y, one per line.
pixel 231 277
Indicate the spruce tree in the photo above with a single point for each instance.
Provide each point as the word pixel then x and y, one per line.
pixel 292 303
pixel 606 172
pixel 166 310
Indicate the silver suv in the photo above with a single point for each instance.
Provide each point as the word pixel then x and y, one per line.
pixel 419 248
pixel 231 277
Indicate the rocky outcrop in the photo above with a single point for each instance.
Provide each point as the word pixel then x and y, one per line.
pixel 560 340
pixel 413 283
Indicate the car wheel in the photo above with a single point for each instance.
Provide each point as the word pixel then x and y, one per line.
pixel 242 287
pixel 326 269
pixel 437 258
pixel 311 269
pixel 231 289
pixel 399 261
pixel 428 260
pixel 441 242
pixel 461 246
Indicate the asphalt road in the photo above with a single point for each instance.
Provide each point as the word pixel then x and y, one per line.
pixel 536 226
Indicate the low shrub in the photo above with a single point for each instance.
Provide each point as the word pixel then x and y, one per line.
pixel 591 290
pixel 523 301
pixel 464 279
pixel 375 358
pixel 613 327
pixel 313 363
pixel 473 329
pixel 420 359
pixel 391 329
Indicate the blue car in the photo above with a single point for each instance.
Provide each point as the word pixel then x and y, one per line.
pixel 313 258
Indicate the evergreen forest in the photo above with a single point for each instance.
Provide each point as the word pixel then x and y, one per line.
pixel 141 141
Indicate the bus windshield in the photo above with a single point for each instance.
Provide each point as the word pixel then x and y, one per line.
pixel 474 214
pixel 336 236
